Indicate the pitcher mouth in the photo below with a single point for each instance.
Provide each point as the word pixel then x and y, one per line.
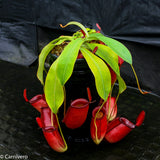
pixel 126 122
pixel 102 111
pixel 35 99
pixel 49 129
pixel 80 103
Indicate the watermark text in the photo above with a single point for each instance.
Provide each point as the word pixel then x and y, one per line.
pixel 13 157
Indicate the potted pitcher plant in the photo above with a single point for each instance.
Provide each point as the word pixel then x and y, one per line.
pixel 103 56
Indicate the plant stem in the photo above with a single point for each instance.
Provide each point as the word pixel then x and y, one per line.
pixel 66 147
pixel 96 118
pixel 52 119
pixel 64 112
pixel 110 101
pixel 143 92
pixel 114 105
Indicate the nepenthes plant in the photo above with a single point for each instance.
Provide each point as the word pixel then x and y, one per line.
pixel 104 57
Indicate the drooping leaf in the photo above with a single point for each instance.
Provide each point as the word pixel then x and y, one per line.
pixel 45 51
pixel 42 58
pixel 109 56
pixel 122 84
pixel 53 89
pixel 100 71
pixel 67 38
pixel 90 38
pixel 67 60
pixel 116 46
pixel 77 24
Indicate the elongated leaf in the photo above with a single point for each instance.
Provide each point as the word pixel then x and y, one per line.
pixel 42 57
pixel 122 84
pixel 109 56
pixel 77 24
pixel 53 89
pixel 67 60
pixel 88 39
pixel 45 51
pixel 116 46
pixel 67 38
pixel 100 71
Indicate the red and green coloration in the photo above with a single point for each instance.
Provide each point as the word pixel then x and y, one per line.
pixel 120 127
pixel 48 122
pixel 49 126
pixel 113 74
pixel 37 101
pixel 77 112
pixel 98 126
pixel 104 57
pixel 111 108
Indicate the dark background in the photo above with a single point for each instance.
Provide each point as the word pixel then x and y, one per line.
pixel 26 26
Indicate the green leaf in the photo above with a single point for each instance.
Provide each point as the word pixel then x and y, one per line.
pixel 77 24
pixel 122 84
pixel 109 56
pixel 100 71
pixel 53 89
pixel 88 39
pixel 45 51
pixel 67 60
pixel 116 46
pixel 42 57
pixel 65 38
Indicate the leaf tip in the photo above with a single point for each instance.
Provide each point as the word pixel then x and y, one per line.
pixel 62 26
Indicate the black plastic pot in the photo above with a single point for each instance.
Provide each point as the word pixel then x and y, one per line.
pixel 80 64
pixel 81 78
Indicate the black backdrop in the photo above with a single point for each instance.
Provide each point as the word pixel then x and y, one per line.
pixel 26 26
